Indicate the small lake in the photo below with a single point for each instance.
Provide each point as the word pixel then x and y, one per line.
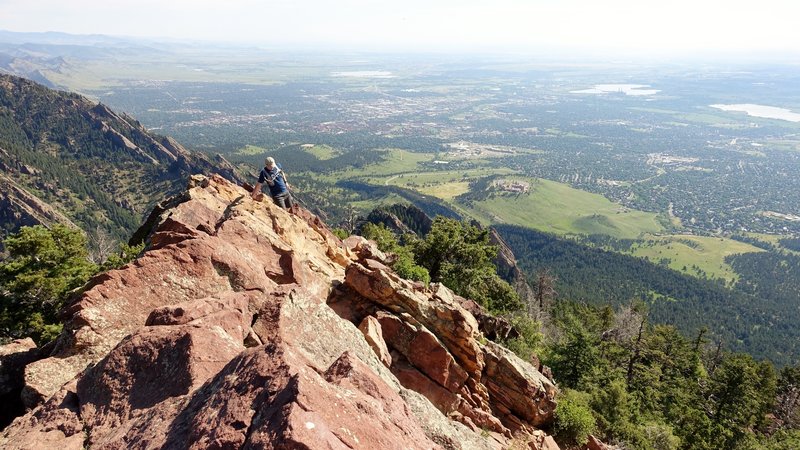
pixel 364 74
pixel 627 89
pixel 766 112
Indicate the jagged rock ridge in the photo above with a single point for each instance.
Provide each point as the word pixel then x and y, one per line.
pixel 67 159
pixel 244 326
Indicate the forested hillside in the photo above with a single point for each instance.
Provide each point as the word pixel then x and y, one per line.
pixel 101 170
pixel 757 316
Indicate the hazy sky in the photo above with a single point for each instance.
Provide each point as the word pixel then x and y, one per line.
pixel 514 25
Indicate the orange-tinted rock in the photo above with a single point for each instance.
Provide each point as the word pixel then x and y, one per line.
pixel 423 351
pixel 538 440
pixel 516 386
pixel 596 444
pixel 438 338
pixel 374 336
pixel 154 365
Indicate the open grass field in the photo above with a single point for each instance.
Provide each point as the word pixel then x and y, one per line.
pixel 397 161
pixel 427 182
pixel 694 255
pixel 771 238
pixel 321 152
pixel 448 191
pixel 222 66
pixel 785 144
pixel 251 150
pixel 557 208
pixel 774 239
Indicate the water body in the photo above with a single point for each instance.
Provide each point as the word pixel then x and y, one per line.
pixel 364 74
pixel 766 112
pixel 627 89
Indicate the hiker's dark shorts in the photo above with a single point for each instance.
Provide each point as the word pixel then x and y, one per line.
pixel 283 200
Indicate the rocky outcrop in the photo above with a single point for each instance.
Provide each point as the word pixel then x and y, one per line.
pixel 508 269
pixel 245 326
pixel 21 208
pixel 594 443
pixel 69 153
pixel 13 359
pixel 436 349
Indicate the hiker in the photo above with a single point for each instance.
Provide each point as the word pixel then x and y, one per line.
pixel 275 178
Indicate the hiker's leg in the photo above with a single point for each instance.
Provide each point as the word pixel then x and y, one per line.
pixel 280 200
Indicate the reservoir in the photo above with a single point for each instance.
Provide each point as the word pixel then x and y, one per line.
pixel 766 112
pixel 627 89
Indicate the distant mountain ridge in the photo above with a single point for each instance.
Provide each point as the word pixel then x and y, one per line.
pixel 66 159
pixel 40 56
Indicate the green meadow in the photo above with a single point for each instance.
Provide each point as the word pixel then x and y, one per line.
pixel 694 255
pixel 550 206
pixel 558 208
pixel 321 152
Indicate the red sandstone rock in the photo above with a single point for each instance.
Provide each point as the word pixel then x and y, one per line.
pixel 153 355
pixel 423 351
pixel 54 425
pixel 538 440
pixel 518 388
pixel 438 338
pixel 13 359
pixel 374 336
pixel 596 444
pixel 17 346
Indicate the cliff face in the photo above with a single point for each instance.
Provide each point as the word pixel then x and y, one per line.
pixel 244 326
pixel 508 269
pixel 19 208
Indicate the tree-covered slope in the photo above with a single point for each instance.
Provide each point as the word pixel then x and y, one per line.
pixel 743 319
pixel 100 169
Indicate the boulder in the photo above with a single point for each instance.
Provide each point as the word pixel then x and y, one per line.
pixel 596 444
pixel 373 333
pixel 366 250
pixel 439 354
pixel 55 424
pixel 539 440
pixel 517 387
pixel 14 356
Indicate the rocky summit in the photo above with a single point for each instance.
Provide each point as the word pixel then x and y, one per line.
pixel 245 326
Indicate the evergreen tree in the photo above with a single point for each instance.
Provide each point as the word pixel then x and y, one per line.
pixel 741 392
pixel 43 266
pixel 404 258
pixel 460 256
